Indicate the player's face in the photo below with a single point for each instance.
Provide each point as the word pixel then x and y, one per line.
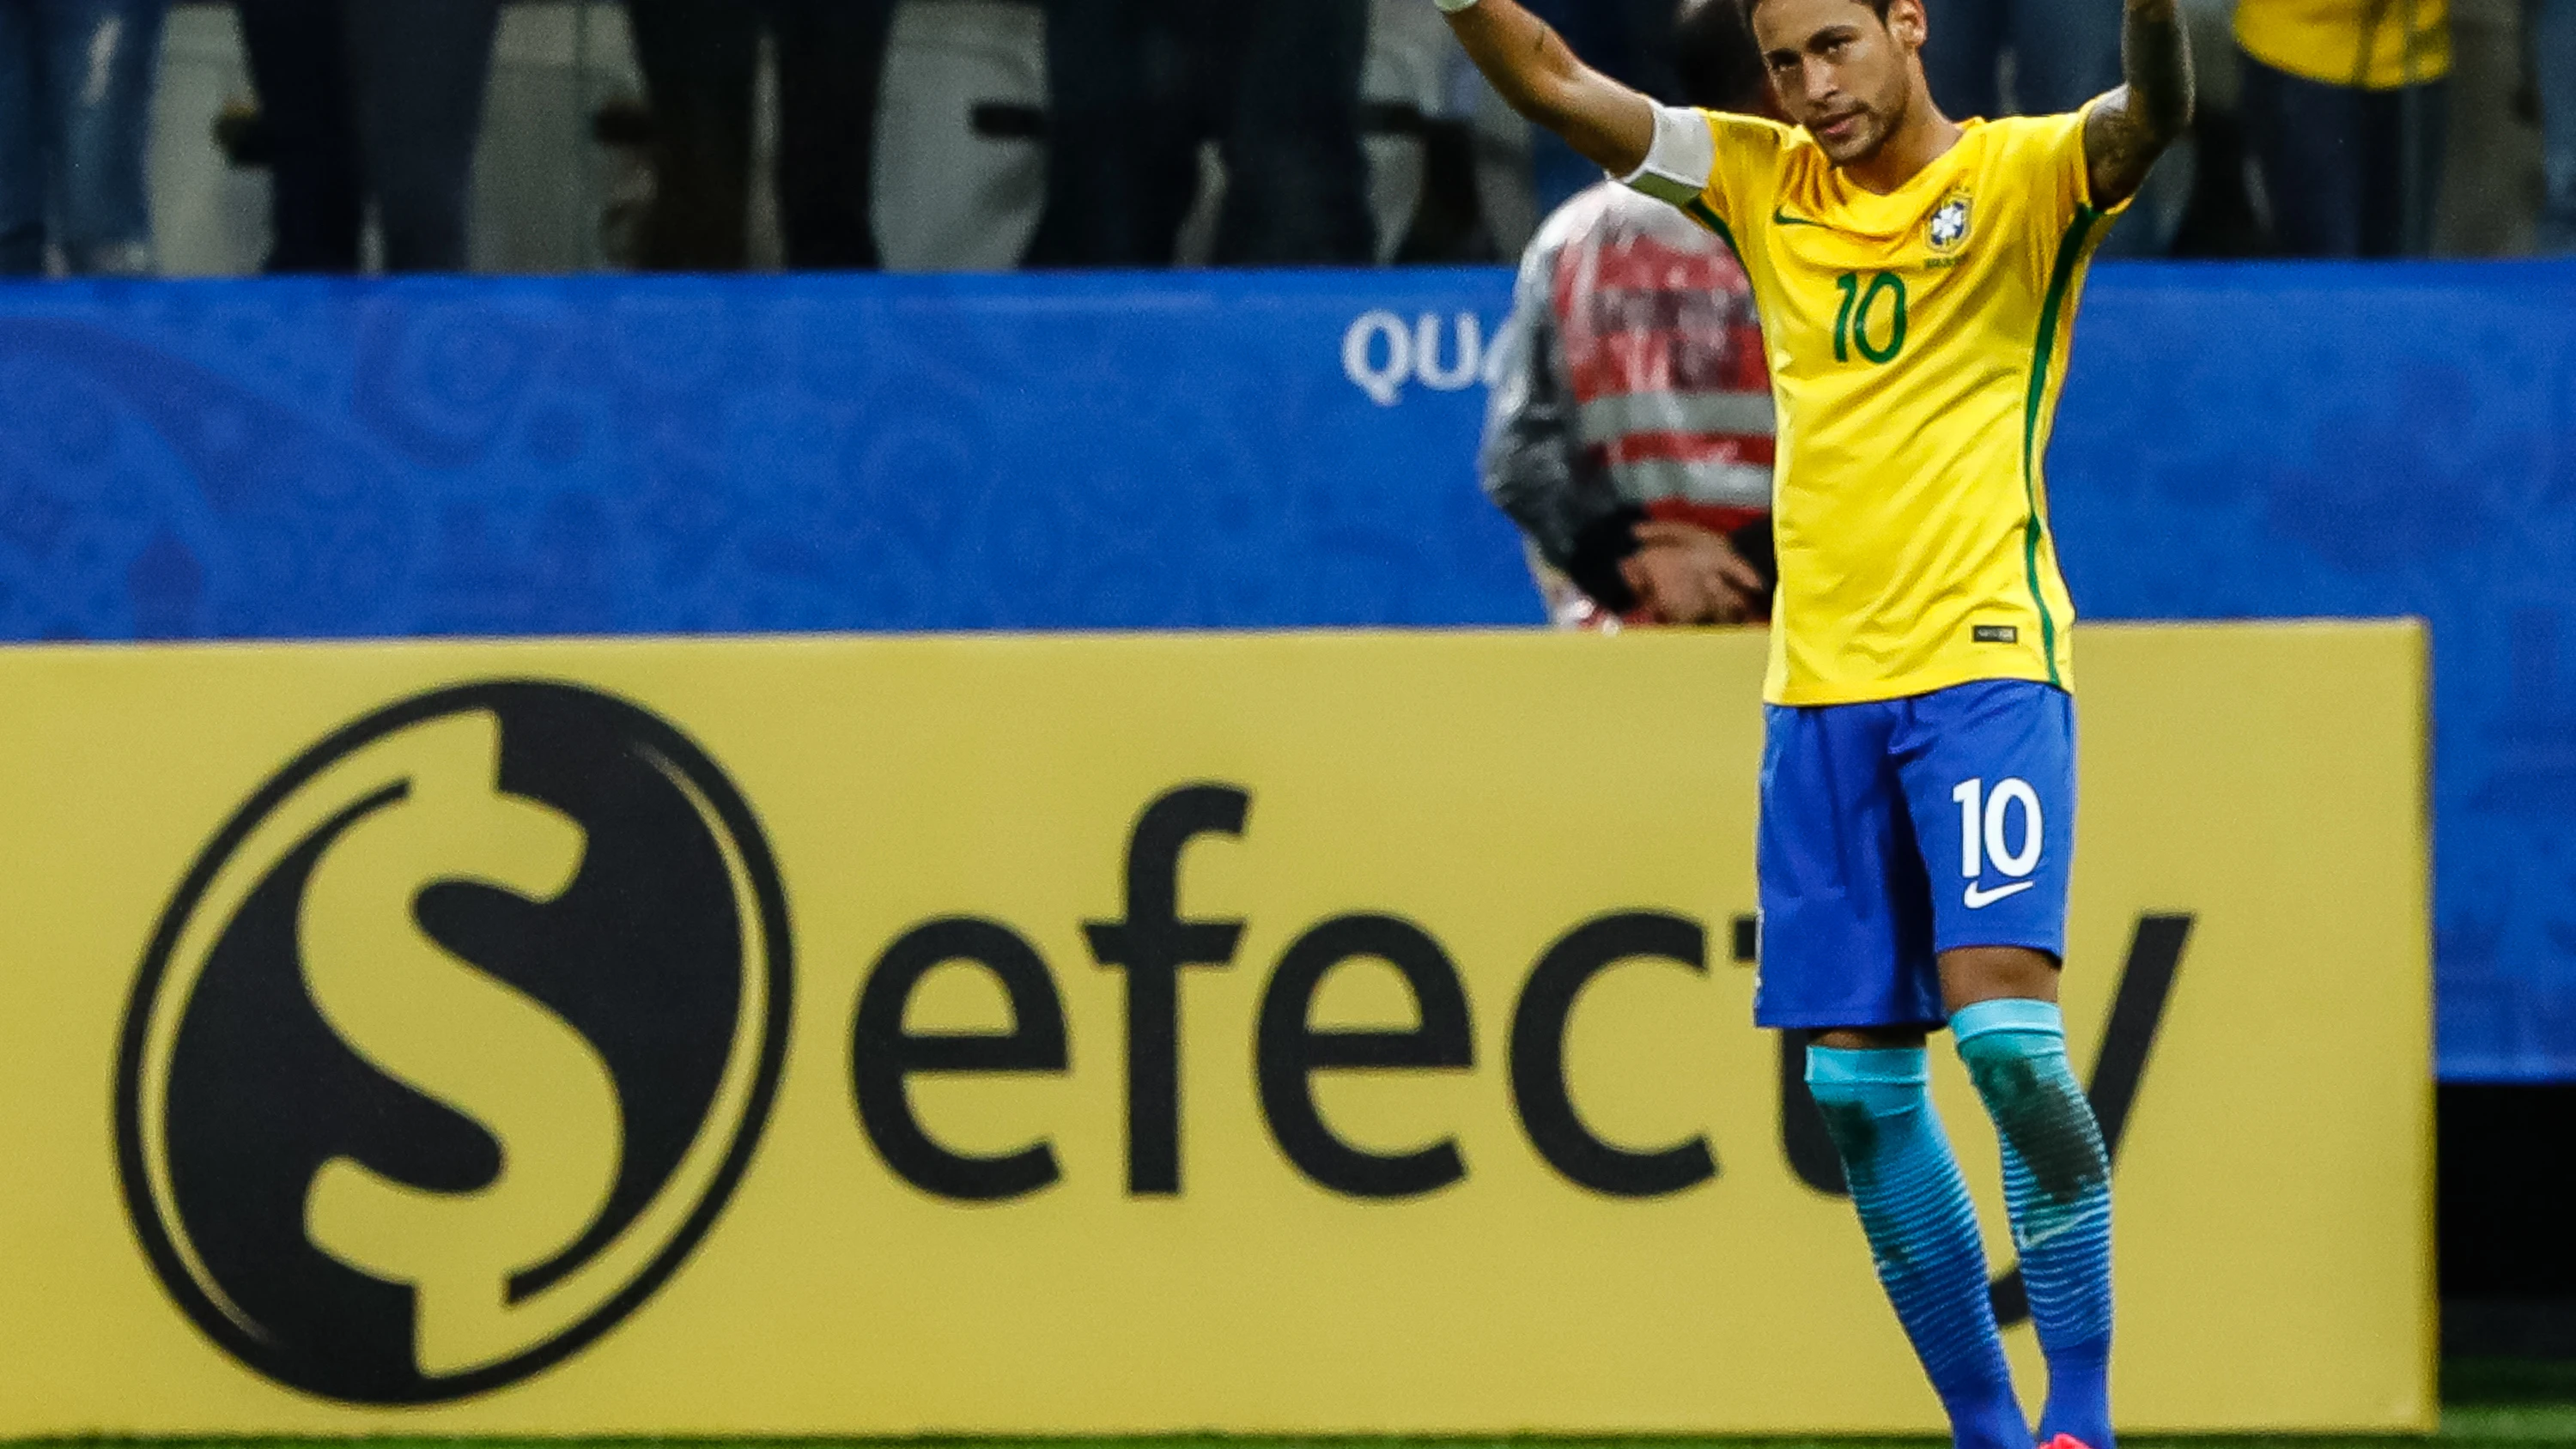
pixel 1840 71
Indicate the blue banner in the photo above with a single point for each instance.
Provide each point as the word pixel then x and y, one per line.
pixel 615 455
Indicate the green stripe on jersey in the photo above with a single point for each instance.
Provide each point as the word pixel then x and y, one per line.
pixel 2070 254
pixel 1707 216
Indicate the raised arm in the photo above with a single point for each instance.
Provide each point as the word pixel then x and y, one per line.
pixel 1609 124
pixel 2129 128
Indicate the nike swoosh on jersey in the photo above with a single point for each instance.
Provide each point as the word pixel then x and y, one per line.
pixel 1979 898
pixel 1782 218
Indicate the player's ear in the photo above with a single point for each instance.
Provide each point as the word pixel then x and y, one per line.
pixel 1907 22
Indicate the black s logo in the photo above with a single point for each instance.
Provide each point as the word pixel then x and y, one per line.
pixel 453 1043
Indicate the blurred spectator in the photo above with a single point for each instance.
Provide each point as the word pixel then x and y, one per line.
pixel 370 101
pixel 701 59
pixel 1137 85
pixel 1628 40
pixel 1630 433
pixel 2553 49
pixel 76 79
pixel 2347 109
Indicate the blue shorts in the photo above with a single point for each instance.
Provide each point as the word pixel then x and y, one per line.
pixel 1894 831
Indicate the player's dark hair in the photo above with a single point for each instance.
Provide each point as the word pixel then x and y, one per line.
pixel 1716 60
pixel 1878 5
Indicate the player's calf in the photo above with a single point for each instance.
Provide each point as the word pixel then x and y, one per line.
pixel 1922 1231
pixel 2057 1183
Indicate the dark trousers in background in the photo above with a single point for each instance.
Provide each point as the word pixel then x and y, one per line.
pixel 701 60
pixel 1136 85
pixel 1627 40
pixel 2334 162
pixel 370 100
pixel 2065 52
pixel 76 82
pixel 2552 28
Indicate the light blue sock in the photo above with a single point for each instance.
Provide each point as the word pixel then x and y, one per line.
pixel 1923 1231
pixel 2057 1181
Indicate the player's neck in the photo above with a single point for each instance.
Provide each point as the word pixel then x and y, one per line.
pixel 1921 138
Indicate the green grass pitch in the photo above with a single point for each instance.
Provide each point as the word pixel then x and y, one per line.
pixel 2486 1405
pixel 2476 1427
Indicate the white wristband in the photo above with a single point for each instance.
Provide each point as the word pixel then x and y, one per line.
pixel 1452 7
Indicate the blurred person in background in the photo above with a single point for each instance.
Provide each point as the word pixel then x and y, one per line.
pixel 1631 430
pixel 701 60
pixel 370 102
pixel 76 82
pixel 1627 40
pixel 2346 108
pixel 2551 25
pixel 1137 85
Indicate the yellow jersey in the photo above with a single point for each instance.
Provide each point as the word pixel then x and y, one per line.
pixel 1918 342
pixel 2374 44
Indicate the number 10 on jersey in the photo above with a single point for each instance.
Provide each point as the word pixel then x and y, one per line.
pixel 1860 321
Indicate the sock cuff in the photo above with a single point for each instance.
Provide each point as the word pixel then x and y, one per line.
pixel 2021 1018
pixel 1879 1067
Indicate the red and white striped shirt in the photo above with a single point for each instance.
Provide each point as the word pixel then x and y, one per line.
pixel 1632 378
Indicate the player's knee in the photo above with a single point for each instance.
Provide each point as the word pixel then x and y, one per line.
pixel 2022 1074
pixel 1861 1092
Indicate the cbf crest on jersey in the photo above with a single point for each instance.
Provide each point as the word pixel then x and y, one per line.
pixel 1949 227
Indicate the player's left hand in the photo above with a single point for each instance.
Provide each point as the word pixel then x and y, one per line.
pixel 1688 575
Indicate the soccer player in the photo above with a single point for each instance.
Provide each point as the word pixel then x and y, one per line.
pixel 1917 278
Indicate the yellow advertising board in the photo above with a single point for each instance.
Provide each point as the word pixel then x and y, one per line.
pixel 1285 1034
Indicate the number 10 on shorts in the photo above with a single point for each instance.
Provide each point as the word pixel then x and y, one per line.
pixel 1986 828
